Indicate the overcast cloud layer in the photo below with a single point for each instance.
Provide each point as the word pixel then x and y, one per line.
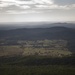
pixel 43 10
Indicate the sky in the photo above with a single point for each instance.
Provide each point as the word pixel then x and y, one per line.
pixel 37 10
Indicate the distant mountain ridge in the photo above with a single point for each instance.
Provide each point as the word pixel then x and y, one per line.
pixel 34 25
pixel 56 32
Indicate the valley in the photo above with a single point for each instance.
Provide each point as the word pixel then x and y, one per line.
pixel 37 51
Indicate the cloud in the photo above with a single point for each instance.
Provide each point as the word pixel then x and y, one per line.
pixel 36 5
pixel 19 2
pixel 25 7
pixel 23 4
pixel 22 12
pixel 54 6
pixel 64 2
pixel 72 6
pixel 43 1
pixel 7 3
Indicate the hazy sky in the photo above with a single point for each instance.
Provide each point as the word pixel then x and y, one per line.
pixel 37 10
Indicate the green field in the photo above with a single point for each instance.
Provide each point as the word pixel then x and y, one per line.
pixel 37 65
pixel 37 70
